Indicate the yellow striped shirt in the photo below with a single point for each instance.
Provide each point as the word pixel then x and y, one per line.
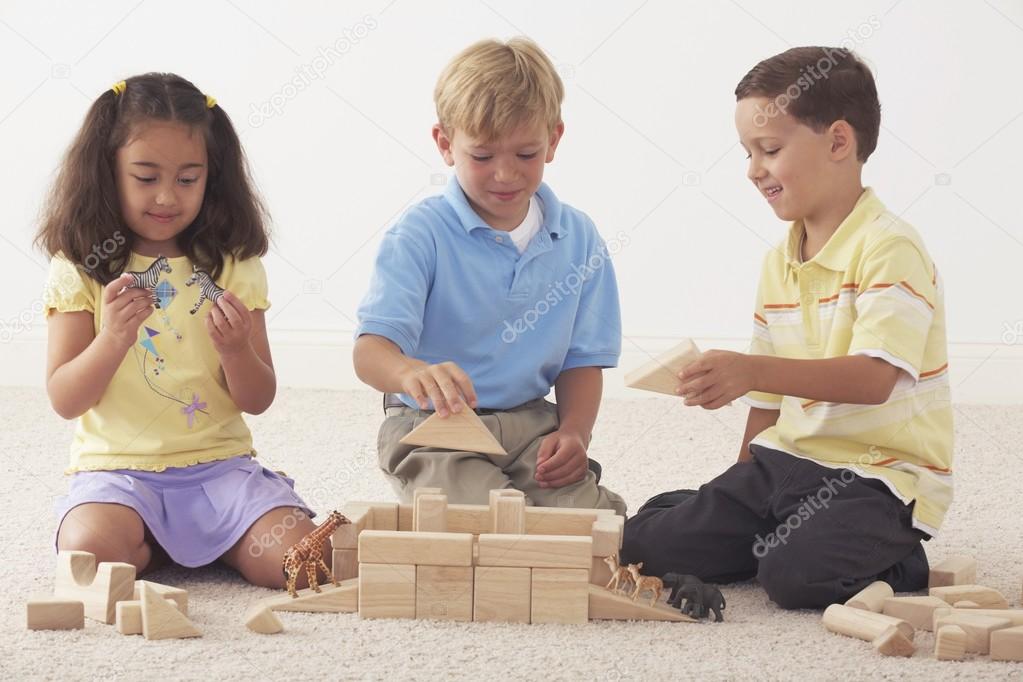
pixel 872 290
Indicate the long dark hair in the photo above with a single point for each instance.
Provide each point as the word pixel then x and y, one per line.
pixel 83 209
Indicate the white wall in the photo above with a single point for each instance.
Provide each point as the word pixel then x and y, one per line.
pixel 650 147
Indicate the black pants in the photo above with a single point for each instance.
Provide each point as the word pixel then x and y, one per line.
pixel 811 535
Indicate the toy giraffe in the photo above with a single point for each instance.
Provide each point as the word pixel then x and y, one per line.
pixel 308 552
pixel 645 582
pixel 620 576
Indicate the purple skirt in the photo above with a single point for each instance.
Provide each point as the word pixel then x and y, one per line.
pixel 195 513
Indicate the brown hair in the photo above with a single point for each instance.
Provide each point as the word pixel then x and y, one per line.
pixel 83 208
pixel 818 86
pixel 490 88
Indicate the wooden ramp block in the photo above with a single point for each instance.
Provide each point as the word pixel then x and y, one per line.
pixel 955 570
pixel 917 611
pixel 950 643
pixel 862 624
pixel 128 615
pixel 893 643
pixel 1007 644
pixel 507 512
pixel 387 591
pixel 607 533
pixel 559 595
pixel 161 620
pixel 661 373
pixel 99 589
pixel 176 594
pixel 430 549
pixel 978 629
pixel 444 592
pixel 984 597
pixel 469 518
pixel 607 605
pixel 54 613
pixel 463 431
pixel 535 551
pixel 429 513
pixel 264 621
pixel 872 597
pixel 502 594
pixel 360 517
pixel 562 520
pixel 345 564
pixel 342 598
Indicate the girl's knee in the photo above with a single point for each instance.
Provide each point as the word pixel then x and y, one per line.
pixel 116 535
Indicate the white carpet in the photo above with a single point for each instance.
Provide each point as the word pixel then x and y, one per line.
pixel 327 442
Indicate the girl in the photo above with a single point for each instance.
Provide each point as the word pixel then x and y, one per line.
pixel 157 338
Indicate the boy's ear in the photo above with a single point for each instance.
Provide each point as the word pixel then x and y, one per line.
pixel 843 140
pixel 555 138
pixel 443 144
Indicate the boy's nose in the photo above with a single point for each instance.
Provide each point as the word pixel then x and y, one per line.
pixel 754 172
pixel 504 172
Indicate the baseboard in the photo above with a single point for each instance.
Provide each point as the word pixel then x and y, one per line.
pixel 980 373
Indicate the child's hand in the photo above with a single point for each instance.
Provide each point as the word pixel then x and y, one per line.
pixel 446 384
pixel 125 309
pixel 561 460
pixel 716 379
pixel 229 324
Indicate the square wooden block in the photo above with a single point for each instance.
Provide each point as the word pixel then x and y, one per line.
pixel 444 592
pixel 560 595
pixel 387 591
pixel 502 594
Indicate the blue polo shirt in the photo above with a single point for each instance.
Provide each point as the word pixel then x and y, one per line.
pixel 448 287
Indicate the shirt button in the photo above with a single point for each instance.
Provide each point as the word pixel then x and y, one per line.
pixel 499 239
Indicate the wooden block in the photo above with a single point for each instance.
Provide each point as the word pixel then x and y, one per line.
pixel 600 572
pixel 872 597
pixel 345 564
pixel 469 518
pixel 892 642
pixel 387 591
pixel 346 536
pixel 562 520
pixel 950 643
pixel 429 549
pixel 404 517
pixel 501 594
pixel 985 597
pixel 966 604
pixel 99 589
pixel 178 595
pixel 429 513
pixel 385 515
pixel 463 431
pixel 128 615
pixel 661 373
pixel 536 551
pixel 1007 644
pixel 1014 616
pixel 955 570
pixel 978 629
pixel 559 595
pixel 161 620
pixel 342 598
pixel 861 623
pixel 607 605
pixel 444 592
pixel 508 514
pixel 264 621
pixel 425 491
pixel 54 613
pixel 917 611
pixel 607 535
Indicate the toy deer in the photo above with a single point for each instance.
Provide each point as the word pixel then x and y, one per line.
pixel 620 576
pixel 308 552
pixel 645 582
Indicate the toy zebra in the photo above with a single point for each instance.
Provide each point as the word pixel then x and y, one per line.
pixel 148 278
pixel 208 289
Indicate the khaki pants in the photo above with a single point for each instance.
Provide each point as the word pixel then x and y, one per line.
pixel 468 477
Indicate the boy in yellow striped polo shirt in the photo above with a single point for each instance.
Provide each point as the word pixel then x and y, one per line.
pixel 845 464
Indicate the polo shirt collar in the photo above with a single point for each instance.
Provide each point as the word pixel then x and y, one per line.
pixel 470 220
pixel 840 249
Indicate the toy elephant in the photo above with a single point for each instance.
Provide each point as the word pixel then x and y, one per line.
pixel 700 600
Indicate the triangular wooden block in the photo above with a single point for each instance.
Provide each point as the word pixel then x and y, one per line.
pixel 462 430
pixel 341 599
pixel 262 620
pixel 161 620
pixel 661 373
pixel 606 605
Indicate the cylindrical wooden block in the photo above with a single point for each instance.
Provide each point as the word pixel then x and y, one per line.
pixel 861 623
pixel 871 597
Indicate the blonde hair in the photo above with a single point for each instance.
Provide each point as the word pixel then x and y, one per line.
pixel 491 88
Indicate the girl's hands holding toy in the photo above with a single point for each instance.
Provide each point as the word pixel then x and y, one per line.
pixel 561 460
pixel 446 384
pixel 229 324
pixel 716 379
pixel 125 309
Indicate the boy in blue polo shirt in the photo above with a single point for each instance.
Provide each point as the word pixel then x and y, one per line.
pixel 486 296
